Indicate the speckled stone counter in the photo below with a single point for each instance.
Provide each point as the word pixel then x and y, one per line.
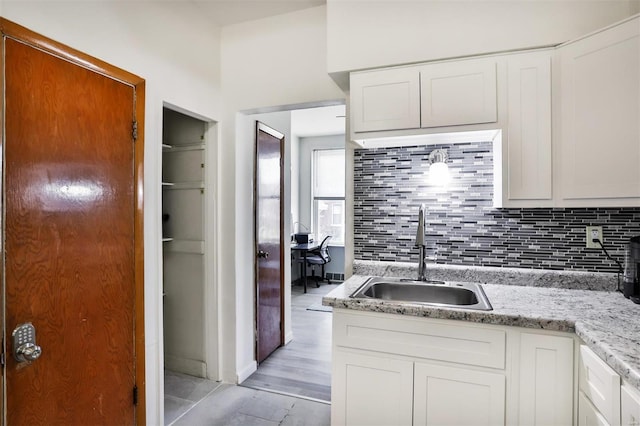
pixel 508 276
pixel 607 322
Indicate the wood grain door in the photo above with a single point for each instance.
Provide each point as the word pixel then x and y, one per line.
pixel 269 240
pixel 70 239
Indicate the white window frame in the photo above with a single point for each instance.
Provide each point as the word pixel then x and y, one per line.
pixel 314 211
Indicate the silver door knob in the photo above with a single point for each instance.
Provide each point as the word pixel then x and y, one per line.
pixel 28 352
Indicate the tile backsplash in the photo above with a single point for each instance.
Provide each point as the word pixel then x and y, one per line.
pixel 462 226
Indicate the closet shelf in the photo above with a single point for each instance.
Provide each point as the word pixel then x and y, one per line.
pixel 185 246
pixel 185 185
pixel 185 147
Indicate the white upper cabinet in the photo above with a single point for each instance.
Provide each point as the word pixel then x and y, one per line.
pixel 458 93
pixel 386 99
pixel 434 95
pixel 565 120
pixel 528 162
pixel 599 122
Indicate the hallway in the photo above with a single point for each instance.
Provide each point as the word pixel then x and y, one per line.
pixel 302 367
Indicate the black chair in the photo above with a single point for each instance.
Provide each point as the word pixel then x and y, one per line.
pixel 320 257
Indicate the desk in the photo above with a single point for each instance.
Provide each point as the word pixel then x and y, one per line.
pixel 304 249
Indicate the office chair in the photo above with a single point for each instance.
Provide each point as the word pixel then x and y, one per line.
pixel 320 257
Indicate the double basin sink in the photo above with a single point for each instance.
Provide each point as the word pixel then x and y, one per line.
pixel 436 293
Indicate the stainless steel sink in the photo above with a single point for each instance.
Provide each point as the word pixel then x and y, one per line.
pixel 437 293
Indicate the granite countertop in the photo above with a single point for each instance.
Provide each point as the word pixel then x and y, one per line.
pixel 606 321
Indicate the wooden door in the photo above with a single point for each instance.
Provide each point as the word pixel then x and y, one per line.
pixel 269 240
pixel 72 202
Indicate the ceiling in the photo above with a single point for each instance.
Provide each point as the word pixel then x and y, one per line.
pixel 228 12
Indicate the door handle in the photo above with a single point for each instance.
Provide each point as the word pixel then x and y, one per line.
pixel 25 348
pixel 263 254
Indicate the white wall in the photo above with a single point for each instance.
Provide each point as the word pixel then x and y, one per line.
pixel 375 33
pixel 273 62
pixel 177 52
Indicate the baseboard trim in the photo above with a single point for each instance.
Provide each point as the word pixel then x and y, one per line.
pixel 245 372
pixel 288 337
pixel 192 367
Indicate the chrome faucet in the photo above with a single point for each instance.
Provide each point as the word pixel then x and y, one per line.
pixel 422 266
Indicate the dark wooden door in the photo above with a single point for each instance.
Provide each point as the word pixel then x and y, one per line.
pixel 69 253
pixel 269 240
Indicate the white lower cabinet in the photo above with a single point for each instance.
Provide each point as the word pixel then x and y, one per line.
pixel 371 390
pixel 588 414
pixel 546 380
pixel 630 410
pixel 401 370
pixel 457 396
pixel 600 384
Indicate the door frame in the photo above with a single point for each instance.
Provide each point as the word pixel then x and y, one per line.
pixel 263 127
pixel 21 34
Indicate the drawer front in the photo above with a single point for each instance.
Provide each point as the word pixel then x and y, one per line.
pixel 588 415
pixel 453 341
pixel 600 384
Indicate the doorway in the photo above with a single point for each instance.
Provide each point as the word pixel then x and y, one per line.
pixel 302 128
pixel 190 304
pixel 188 218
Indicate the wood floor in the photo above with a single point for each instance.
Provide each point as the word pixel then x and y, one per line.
pixel 303 367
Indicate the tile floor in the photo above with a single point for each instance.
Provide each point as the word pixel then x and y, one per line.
pixel 229 405
pixel 194 401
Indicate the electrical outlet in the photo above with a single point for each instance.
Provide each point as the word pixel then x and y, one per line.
pixel 594 232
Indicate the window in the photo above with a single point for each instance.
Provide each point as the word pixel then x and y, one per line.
pixel 328 194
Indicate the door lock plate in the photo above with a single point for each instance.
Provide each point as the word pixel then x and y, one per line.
pixel 25 348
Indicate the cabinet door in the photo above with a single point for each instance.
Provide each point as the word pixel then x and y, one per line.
pixel 600 116
pixel 457 396
pixel 588 415
pixel 457 93
pixel 528 157
pixel 600 384
pixel 630 401
pixel 385 99
pixel 370 390
pixel 546 380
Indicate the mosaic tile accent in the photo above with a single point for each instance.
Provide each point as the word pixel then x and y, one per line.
pixel 462 226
